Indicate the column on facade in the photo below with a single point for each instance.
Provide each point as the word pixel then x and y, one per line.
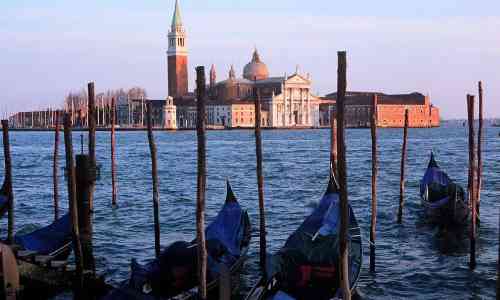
pixel 284 105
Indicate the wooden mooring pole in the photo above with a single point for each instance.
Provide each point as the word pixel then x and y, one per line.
pixel 479 148
pixel 403 162
pixel 8 181
pixel 342 171
pixel 471 181
pixel 260 185
pixel 113 163
pixel 91 126
pixel 373 223
pixel 73 208
pixel 200 195
pixel 154 172
pixel 55 166
pixel 85 177
pixel 333 142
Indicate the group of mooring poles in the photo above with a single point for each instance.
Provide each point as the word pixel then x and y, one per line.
pixel 475 170
pixel 81 185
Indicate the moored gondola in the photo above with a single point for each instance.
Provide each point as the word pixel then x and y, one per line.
pixel 307 266
pixel 443 200
pixel 173 274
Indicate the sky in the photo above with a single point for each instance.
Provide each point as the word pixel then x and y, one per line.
pixel 439 48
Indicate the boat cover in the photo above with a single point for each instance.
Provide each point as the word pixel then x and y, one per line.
pixel 310 255
pixel 49 239
pixel 176 268
pixel 439 186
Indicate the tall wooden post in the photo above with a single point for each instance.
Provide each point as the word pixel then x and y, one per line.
pixel 260 184
pixel 91 125
pixel 373 222
pixel 73 209
pixel 342 170
pixel 471 181
pixel 55 166
pixel 156 190
pixel 333 141
pixel 200 195
pixel 403 162
pixel 8 180
pixel 479 148
pixel 85 178
pixel 113 163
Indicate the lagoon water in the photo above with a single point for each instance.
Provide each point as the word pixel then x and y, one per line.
pixel 412 259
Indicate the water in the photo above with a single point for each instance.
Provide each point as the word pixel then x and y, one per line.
pixel 410 260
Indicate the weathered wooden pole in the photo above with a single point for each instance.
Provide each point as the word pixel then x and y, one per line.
pixel 479 148
pixel 333 141
pixel 154 172
pixel 471 181
pixel 91 127
pixel 8 180
pixel 200 195
pixel 113 163
pixel 55 166
pixel 85 177
pixel 73 208
pixel 260 184
pixel 373 222
pixel 342 171
pixel 403 162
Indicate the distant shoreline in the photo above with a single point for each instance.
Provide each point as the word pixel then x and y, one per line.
pixel 194 129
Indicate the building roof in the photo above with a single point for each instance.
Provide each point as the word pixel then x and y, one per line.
pixel 255 69
pixel 365 98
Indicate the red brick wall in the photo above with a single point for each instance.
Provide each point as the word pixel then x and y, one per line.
pixel 419 116
pixel 177 76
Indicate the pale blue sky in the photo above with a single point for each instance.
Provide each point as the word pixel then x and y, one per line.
pixel 441 48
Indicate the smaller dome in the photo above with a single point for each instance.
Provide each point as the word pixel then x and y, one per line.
pixel 256 69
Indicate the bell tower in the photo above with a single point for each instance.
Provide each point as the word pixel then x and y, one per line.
pixel 177 55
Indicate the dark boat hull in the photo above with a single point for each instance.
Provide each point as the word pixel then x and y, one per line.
pixel 451 211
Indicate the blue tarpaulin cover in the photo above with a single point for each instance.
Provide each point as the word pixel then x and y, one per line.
pixel 228 227
pixel 175 269
pixel 47 239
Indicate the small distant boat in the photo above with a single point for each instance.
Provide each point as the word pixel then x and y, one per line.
pixel 307 266
pixel 174 274
pixel 4 199
pixel 443 200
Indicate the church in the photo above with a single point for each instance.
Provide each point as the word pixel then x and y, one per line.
pixel 287 101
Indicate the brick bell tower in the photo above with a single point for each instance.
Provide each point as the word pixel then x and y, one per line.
pixel 177 55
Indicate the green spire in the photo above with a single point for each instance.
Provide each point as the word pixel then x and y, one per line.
pixel 176 20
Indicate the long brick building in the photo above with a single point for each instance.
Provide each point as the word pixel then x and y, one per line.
pixel 390 109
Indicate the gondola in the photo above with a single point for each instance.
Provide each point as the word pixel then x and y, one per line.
pixel 4 199
pixel 42 259
pixel 52 242
pixel 174 274
pixel 443 200
pixel 307 266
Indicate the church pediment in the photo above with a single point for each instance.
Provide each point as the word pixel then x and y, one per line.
pixel 297 79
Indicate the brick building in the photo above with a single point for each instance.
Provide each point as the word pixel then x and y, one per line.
pixel 390 109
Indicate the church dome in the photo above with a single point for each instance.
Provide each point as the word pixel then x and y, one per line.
pixel 255 69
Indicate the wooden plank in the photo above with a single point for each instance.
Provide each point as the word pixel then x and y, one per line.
pixel 25 254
